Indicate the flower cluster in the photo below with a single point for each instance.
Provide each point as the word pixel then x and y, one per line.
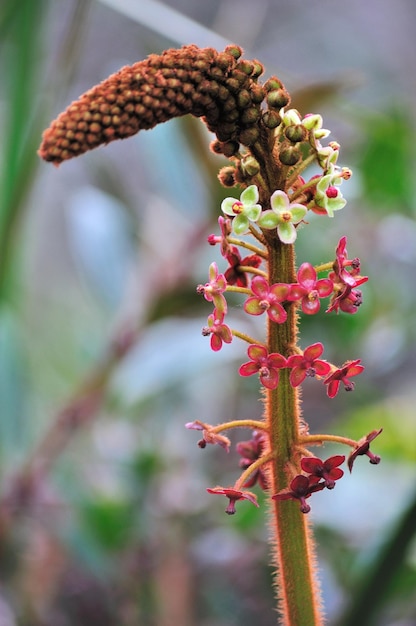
pixel 273 299
pixel 337 280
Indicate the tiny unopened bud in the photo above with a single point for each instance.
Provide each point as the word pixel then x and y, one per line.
pixel 278 99
pixel 271 119
pixel 346 173
pixel 243 99
pixel 234 50
pixel 334 145
pixel 250 116
pixel 250 166
pixel 230 148
pixel 272 84
pixel 258 69
pixel 296 133
pixel 249 136
pixel 290 155
pixel 226 176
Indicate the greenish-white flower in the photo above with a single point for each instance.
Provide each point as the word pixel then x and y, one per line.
pixel 328 196
pixel 244 210
pixel 284 215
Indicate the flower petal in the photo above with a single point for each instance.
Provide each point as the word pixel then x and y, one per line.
pixel 297 376
pixel 256 352
pixel 314 351
pixel 298 213
pixel 277 313
pixel 240 224
pixel 250 195
pixel 227 206
pixel 268 220
pixel 287 232
pixel 279 201
pixel 248 369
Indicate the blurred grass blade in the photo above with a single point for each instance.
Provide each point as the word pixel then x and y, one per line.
pixel 167 22
pixel 25 110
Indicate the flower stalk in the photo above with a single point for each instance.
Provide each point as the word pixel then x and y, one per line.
pixel 269 146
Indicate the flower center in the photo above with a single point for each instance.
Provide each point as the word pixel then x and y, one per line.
pixel 238 207
pixel 285 216
pixel 331 192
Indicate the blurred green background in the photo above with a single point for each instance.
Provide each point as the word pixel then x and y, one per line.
pixel 104 517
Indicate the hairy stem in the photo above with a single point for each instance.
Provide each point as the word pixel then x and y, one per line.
pixel 291 538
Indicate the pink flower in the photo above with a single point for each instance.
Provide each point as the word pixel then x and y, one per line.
pixel 234 495
pixel 307 364
pixel 214 289
pixel 300 488
pixel 267 298
pixel 363 447
pixel 308 289
pixel 350 368
pixel 266 364
pixel 328 470
pixel 219 331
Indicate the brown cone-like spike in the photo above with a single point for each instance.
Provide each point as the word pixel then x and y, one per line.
pixel 199 81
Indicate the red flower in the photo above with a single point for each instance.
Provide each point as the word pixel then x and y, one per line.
pixel 350 368
pixel 233 495
pixel 328 470
pixel 267 298
pixel 307 364
pixel 363 447
pixel 251 451
pixel 308 289
pixel 266 364
pixel 233 274
pixel 214 289
pixel 208 435
pixel 346 298
pixel 300 488
pixel 218 330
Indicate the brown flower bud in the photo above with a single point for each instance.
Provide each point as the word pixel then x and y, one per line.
pixel 226 176
pixel 296 133
pixel 289 155
pixel 271 119
pixel 278 98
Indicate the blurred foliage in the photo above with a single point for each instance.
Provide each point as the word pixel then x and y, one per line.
pixel 104 514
